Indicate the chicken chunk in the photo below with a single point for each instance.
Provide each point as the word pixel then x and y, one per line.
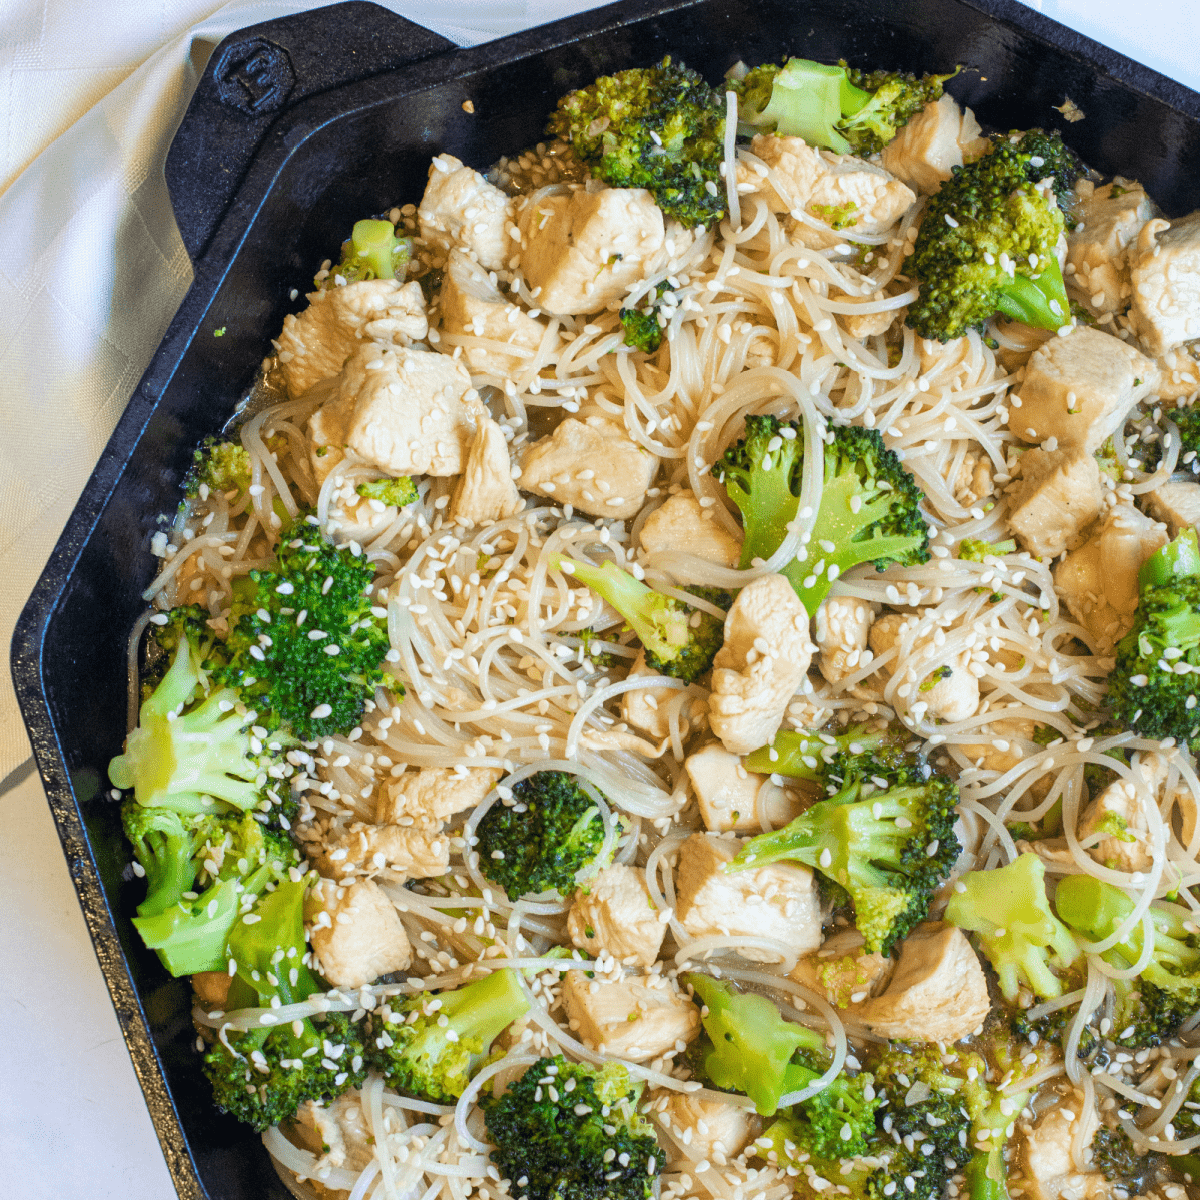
pixel 405 412
pixel 729 794
pixel 1058 496
pixel 1110 219
pixel 645 708
pixel 708 1128
pixel 974 480
pixel 846 979
pixel 212 987
pixel 486 492
pixel 999 752
pixel 472 304
pixel 777 901
pixel 315 343
pixel 680 526
pixel 1080 388
pixel 762 663
pixel 836 189
pixel 334 1131
pixel 939 138
pixel 355 932
pixel 938 992
pixel 842 628
pixel 613 911
pixel 1119 813
pixel 461 210
pixel 1048 1165
pixel 1176 504
pixel 415 852
pixel 582 252
pixel 949 690
pixel 1099 580
pixel 428 796
pixel 634 1019
pixel 591 464
pixel 1165 274
pixel 1179 372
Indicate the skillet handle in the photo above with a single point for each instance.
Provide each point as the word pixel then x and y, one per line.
pixel 258 73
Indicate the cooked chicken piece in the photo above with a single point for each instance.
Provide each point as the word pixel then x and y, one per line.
pixel 315 343
pixel 461 210
pixel 1058 496
pixel 486 492
pixel 328 427
pixel 645 708
pixel 415 852
pixel 428 796
pixel 844 194
pixel 949 689
pixel 613 911
pixel 1119 812
pixel 1099 580
pixel 728 794
pixel 1176 504
pixel 842 628
pixel 708 1128
pixel 1097 266
pixel 212 987
pixel 938 992
pixel 633 1019
pixel 974 479
pixel 776 901
pixel 1179 372
pixel 844 973
pixel 763 661
pixel 591 464
pixel 1049 1168
pixel 334 1131
pixel 1000 751
pixel 472 304
pixel 582 252
pixel 1165 274
pixel 940 137
pixel 1080 388
pixel 355 932
pixel 680 526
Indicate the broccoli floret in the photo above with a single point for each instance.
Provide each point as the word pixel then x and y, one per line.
pixel 306 642
pixel 679 640
pixel 567 1131
pixel 165 849
pixel 399 491
pixel 870 505
pixel 661 128
pixel 748 1047
pixel 842 109
pixel 1007 908
pixel 542 838
pixel 424 1058
pixel 889 848
pixel 1149 689
pixel 1116 1157
pixel 373 251
pixel 987 242
pixel 836 759
pixel 975 550
pixel 642 328
pixel 1151 1008
pixel 222 465
pixel 602 660
pixel 1187 421
pixel 262 1076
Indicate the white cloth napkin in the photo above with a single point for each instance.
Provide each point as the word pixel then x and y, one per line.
pixel 91 265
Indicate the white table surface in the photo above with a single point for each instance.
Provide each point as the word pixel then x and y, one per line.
pixel 72 1120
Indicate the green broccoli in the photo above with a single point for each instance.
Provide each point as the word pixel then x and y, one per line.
pixel 836 759
pixel 1151 1008
pixel 869 509
pixel 222 466
pixel 1007 908
pixel 643 330
pixel 1116 1157
pixel 421 1056
pixel 1149 689
pixel 988 241
pixel 844 110
pixel 1187 421
pixel 568 1131
pixel 306 641
pixel 399 491
pixel 975 550
pixel 661 128
pixel 542 838
pixel 263 1075
pixel 889 848
pixel 679 640
pixel 373 251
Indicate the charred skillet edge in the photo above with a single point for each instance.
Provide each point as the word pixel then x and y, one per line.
pixel 255 76
pixel 276 141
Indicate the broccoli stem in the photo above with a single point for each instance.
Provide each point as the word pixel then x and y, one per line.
pixel 1176 560
pixel 375 242
pixel 1033 301
pixel 483 1009
pixel 986 1175
pixel 190 937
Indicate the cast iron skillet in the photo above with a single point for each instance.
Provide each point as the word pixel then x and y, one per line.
pixel 299 127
